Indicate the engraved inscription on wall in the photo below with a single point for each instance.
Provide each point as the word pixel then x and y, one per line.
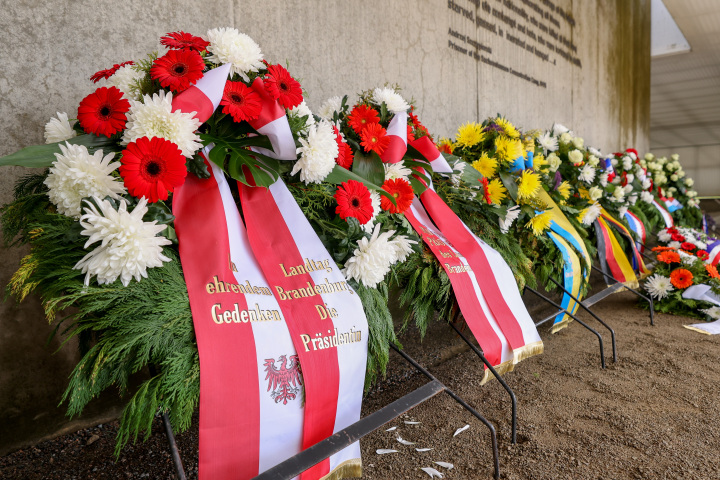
pixel 539 27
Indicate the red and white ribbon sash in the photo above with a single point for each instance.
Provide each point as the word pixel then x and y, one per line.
pixel 273 123
pixel 431 153
pixel 471 300
pixel 397 132
pixel 667 218
pixel 205 96
pixel 637 226
pixel 324 315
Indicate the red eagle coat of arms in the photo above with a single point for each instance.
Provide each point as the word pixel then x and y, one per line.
pixel 284 382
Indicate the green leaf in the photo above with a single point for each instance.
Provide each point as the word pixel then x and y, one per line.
pixel 509 181
pixel 43 156
pixel 340 175
pixel 196 165
pixel 369 167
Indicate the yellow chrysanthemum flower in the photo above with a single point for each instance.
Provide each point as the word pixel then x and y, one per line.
pixel 487 166
pixel 508 149
pixel 564 190
pixel 539 162
pixel 496 191
pixel 528 144
pixel 507 127
pixel 529 184
pixel 540 222
pixel 469 134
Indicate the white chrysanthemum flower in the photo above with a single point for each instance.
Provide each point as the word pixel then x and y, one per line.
pixel 128 245
pixel 618 194
pixel 632 155
pixel 396 170
pixel 329 107
pixel 595 193
pixel 155 118
pixel 593 161
pixel 228 45
pixel 629 177
pixel 59 129
pixel 675 245
pixel 317 153
pixel 587 174
pixel 548 142
pixel 627 163
pixel 575 157
pixel 372 259
pixel 594 151
pixel 646 196
pixel 590 214
pixel 303 110
pixel 578 142
pixel 559 129
pixel 646 184
pixel 512 215
pixel 602 178
pixel 712 312
pixel 554 162
pixel 76 174
pixel 663 235
pixel 700 245
pixel 375 202
pixel 658 286
pixel 403 247
pixel 126 80
pixel 686 258
pixel 394 102
pixel 622 211
pixel 566 138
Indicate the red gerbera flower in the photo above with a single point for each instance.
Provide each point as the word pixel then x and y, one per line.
pixel 403 193
pixel 410 134
pixel 374 138
pixel 283 87
pixel 183 41
pixel 152 167
pixel 353 200
pixel 103 111
pixel 361 116
pixel 241 101
pixel 345 155
pixel 486 194
pixel 681 278
pixel 178 69
pixel 702 254
pixel 108 72
pixel 676 237
pixel 687 246
pixel 712 271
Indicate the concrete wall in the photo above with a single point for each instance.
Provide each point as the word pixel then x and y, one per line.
pixel 701 164
pixel 444 53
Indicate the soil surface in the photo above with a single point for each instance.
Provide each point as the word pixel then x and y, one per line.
pixel 651 415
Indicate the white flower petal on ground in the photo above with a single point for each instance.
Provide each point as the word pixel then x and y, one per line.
pixel 317 153
pixel 396 170
pixel 658 286
pixel 372 259
pixel 460 430
pixel 228 45
pixel 423 449
pixel 394 102
pixel 407 422
pixel 548 142
pixel 59 129
pixel 76 174
pixel 153 117
pixel 126 80
pixel 512 214
pixel 391 429
pixel 329 107
pixel 432 472
pixel 129 246
pixel 447 465
pixel 384 451
pixel 404 442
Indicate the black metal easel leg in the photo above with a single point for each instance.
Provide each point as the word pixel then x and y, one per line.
pixel 513 398
pixel 177 461
pixel 491 428
pixel 588 327
pixel 648 299
pixel 612 332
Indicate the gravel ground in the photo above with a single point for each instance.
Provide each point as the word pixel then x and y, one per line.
pixel 651 415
